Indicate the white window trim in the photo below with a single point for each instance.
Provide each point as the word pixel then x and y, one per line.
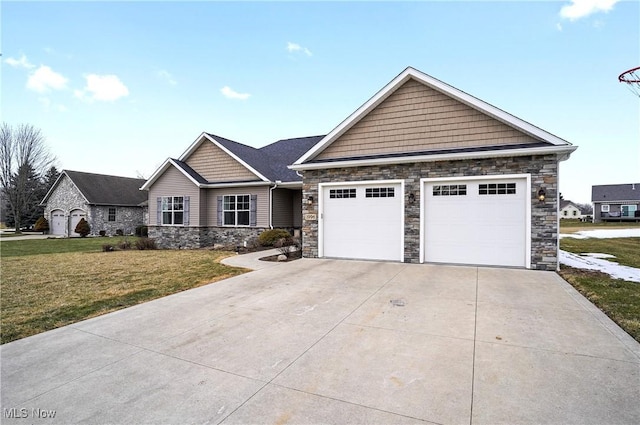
pixel 236 211
pixel 162 211
pixel 527 177
pixel 115 214
pixel 604 208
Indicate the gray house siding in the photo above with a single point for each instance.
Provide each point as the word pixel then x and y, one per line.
pixel 544 216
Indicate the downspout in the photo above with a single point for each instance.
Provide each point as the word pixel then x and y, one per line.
pixel 271 203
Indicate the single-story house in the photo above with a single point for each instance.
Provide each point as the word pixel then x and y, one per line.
pixel 616 202
pixel 424 172
pixel 570 210
pixel 111 204
pixel 223 192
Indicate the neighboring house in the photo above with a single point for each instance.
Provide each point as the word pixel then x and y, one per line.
pixel 570 210
pixel 616 202
pixel 108 203
pixel 423 172
pixel 223 192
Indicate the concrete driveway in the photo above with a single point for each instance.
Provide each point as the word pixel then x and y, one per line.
pixel 329 341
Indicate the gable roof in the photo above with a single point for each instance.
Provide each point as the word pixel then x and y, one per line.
pixel 549 143
pixel 101 189
pixel 615 192
pixel 269 163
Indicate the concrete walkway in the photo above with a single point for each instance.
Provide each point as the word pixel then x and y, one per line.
pixel 252 260
pixel 329 341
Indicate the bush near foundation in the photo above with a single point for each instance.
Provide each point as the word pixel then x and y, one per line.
pixel 42 225
pixel 83 228
pixel 269 237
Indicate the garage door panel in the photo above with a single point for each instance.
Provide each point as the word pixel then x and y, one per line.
pixel 360 225
pixel 476 222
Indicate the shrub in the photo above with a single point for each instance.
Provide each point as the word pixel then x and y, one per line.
pixel 108 248
pixel 142 231
pixel 82 228
pixel 145 243
pixel 125 244
pixel 42 225
pixel 119 232
pixel 102 233
pixel 269 237
pixel 287 245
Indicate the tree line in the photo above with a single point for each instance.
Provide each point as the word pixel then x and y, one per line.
pixel 27 172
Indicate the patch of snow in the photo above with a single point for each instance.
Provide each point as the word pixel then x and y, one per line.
pixel 614 270
pixel 603 234
pixel 597 255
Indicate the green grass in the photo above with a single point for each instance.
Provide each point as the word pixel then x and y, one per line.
pixel 572 226
pixel 618 299
pixel 11 248
pixel 50 283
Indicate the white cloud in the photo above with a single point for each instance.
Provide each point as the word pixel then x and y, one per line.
pixel 48 105
pixel 106 88
pixel 44 79
pixel 295 47
pixel 582 8
pixel 229 93
pixel 23 62
pixel 166 76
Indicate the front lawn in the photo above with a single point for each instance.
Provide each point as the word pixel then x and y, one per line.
pixel 55 282
pixel 571 226
pixel 618 299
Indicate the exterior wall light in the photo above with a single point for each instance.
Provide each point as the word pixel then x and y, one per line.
pixel 310 200
pixel 541 195
pixel 412 198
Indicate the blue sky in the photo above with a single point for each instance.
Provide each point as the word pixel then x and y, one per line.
pixel 117 87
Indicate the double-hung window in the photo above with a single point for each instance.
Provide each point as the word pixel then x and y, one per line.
pixel 111 214
pixel 236 210
pixel 173 210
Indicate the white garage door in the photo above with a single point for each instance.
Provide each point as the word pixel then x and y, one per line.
pixel 76 215
pixel 476 221
pixel 57 222
pixel 362 221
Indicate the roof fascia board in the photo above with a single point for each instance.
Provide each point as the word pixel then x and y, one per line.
pixel 241 184
pixel 168 162
pixel 562 151
pixel 438 85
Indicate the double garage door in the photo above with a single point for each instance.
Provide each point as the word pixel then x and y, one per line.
pixel 476 221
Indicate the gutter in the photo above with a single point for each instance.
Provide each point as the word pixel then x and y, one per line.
pixel 562 151
pixel 271 203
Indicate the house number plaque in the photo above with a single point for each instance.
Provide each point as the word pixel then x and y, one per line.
pixel 310 217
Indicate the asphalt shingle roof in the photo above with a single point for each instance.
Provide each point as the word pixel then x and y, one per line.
pixel 103 189
pixel 272 160
pixel 615 192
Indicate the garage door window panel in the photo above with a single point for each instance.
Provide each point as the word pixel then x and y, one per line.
pixel 450 190
pixel 342 193
pixel 379 192
pixel 497 189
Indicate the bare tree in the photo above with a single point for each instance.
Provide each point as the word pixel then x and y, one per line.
pixel 23 158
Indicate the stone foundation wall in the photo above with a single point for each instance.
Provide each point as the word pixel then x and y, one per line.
pixel 176 237
pixel 544 217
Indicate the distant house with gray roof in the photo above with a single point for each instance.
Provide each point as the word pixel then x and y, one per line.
pixel 616 202
pixel 112 204
pixel 223 192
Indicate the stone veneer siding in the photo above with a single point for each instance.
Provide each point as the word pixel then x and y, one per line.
pixel 127 219
pixel 544 216
pixel 193 237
